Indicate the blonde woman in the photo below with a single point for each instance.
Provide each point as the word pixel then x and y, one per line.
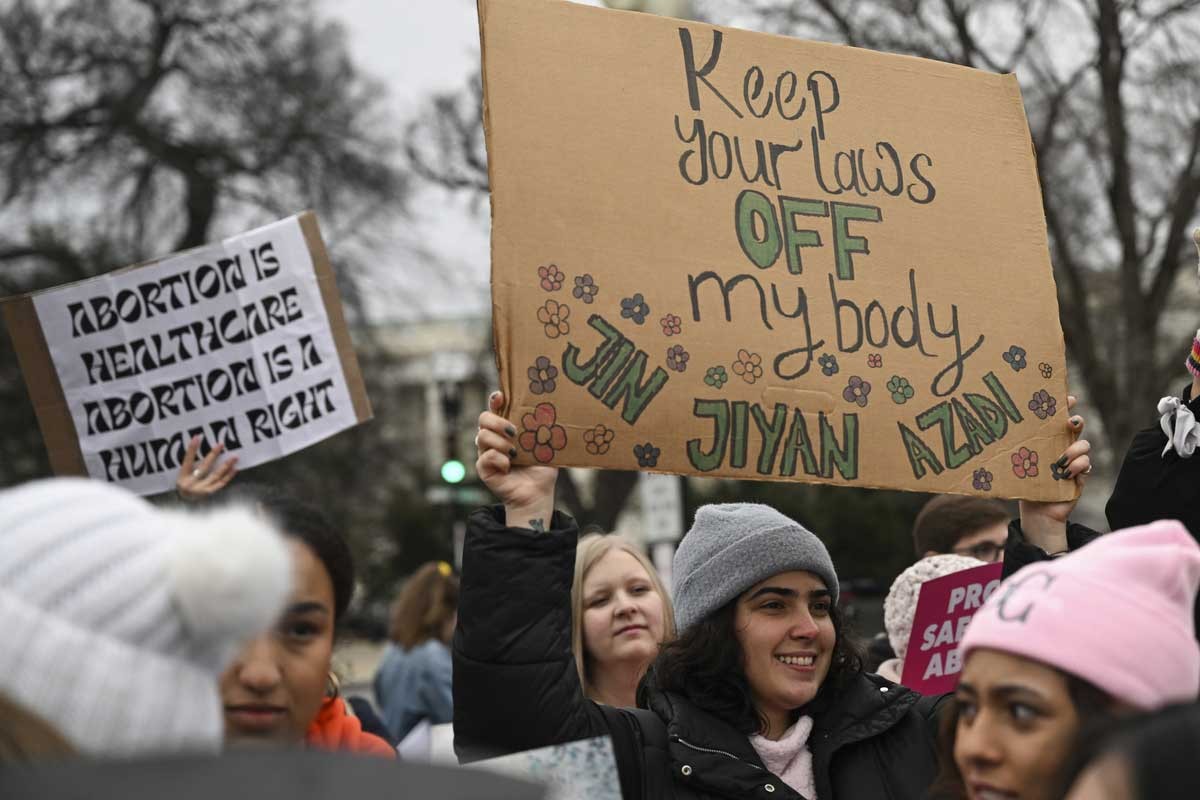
pixel 620 613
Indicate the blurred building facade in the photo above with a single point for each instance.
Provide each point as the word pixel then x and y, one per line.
pixel 438 376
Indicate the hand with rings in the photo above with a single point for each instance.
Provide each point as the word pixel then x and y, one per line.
pixel 1045 523
pixel 197 482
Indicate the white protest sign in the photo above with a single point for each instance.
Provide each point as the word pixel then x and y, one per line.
pixel 241 342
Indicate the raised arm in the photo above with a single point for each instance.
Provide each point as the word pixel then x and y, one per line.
pixel 1044 530
pixel 526 492
pixel 515 684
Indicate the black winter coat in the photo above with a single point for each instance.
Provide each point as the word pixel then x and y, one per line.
pixel 1154 484
pixel 516 688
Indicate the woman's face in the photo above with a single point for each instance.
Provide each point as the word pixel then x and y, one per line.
pixel 275 687
pixel 622 611
pixel 1016 727
pixel 784 629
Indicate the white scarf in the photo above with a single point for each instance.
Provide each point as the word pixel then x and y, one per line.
pixel 789 757
pixel 1179 424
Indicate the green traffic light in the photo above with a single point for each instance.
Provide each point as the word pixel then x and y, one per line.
pixel 453 471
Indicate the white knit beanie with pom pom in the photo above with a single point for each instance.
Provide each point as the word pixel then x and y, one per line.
pixel 118 618
pixel 900 605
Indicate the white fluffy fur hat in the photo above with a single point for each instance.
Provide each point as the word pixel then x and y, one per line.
pixel 118 617
pixel 900 605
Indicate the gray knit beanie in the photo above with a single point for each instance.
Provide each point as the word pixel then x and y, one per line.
pixel 731 547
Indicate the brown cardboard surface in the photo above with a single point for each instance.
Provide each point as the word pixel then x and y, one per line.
pixel 45 390
pixel 337 319
pixel 605 205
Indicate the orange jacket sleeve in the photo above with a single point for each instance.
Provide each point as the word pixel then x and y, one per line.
pixel 335 729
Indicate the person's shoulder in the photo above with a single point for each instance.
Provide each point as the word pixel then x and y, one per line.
pixel 863 681
pixel 392 655
pixel 866 694
pixel 893 690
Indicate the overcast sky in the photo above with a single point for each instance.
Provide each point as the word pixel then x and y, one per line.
pixel 418 47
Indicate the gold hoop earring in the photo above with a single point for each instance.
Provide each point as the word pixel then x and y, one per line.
pixel 333 687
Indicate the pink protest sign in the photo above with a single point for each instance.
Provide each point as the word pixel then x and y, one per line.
pixel 944 608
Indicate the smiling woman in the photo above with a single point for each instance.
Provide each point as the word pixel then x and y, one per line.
pixel 762 649
pixel 280 690
pixel 769 635
pixel 761 693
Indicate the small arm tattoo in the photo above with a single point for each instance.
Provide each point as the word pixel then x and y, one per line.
pixel 537 525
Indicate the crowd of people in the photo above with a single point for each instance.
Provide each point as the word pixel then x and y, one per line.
pixel 210 625
pixel 760 689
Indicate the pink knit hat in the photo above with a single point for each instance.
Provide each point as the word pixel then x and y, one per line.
pixel 1118 613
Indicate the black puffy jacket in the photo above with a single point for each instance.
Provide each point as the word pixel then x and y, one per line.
pixel 516 688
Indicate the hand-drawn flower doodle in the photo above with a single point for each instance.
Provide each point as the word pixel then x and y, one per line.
pixel 541 435
pixel 542 376
pixel 671 325
pixel 647 454
pixel 1015 356
pixel 1046 370
pixel 585 288
pixel 598 439
pixel 1025 463
pixel 1042 404
pixel 677 358
pixel 982 480
pixel 902 391
pixel 550 277
pixel 828 363
pixel 856 391
pixel 553 317
pixel 874 361
pixel 748 365
pixel 635 308
pixel 716 377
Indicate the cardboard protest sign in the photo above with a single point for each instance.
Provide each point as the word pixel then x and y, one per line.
pixel 241 342
pixel 717 252
pixel 945 606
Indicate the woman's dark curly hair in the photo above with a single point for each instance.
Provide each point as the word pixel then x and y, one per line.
pixel 705 665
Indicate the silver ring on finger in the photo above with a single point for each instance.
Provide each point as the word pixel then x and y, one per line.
pixel 1088 470
pixel 196 472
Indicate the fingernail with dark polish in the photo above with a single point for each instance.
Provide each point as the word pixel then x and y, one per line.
pixel 512 452
pixel 1061 463
pixel 1075 421
pixel 510 430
